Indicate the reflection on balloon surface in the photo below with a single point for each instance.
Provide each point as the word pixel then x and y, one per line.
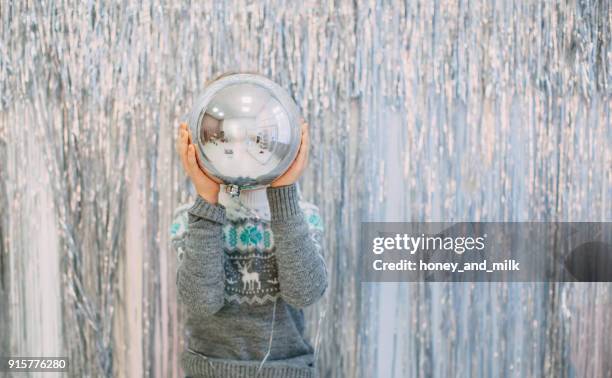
pixel 247 130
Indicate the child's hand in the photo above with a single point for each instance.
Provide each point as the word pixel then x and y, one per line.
pixel 205 186
pixel 299 164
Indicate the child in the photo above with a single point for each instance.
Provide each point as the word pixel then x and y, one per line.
pixel 248 265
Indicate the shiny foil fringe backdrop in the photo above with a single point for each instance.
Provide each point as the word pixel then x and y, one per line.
pixel 419 110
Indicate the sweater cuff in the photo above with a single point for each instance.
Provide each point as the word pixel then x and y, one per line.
pixel 204 209
pixel 284 202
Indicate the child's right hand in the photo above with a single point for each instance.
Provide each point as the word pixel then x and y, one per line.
pixel 205 186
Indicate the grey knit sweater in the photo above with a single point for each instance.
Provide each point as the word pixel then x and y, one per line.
pixel 243 284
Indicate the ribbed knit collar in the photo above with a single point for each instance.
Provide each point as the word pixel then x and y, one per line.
pixel 254 199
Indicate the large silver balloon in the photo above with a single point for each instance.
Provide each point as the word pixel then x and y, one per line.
pixel 246 129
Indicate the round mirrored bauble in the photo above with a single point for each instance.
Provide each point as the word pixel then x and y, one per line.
pixel 246 129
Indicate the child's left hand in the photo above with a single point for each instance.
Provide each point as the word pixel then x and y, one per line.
pixel 299 164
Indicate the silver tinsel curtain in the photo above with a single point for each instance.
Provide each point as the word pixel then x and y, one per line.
pixel 419 110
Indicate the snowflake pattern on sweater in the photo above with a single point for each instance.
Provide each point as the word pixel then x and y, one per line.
pixel 251 274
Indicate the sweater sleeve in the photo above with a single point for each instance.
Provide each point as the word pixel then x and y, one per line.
pixel 200 275
pixel 302 272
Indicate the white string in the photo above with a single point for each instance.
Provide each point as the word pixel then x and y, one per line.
pixel 271 336
pixel 253 212
pixel 318 334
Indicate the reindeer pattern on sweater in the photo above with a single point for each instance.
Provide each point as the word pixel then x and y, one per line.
pixel 251 273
